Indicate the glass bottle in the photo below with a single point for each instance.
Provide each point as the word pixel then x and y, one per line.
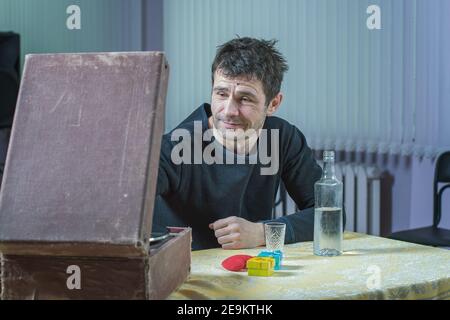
pixel 328 220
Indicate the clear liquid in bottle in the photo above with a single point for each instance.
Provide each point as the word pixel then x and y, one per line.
pixel 328 220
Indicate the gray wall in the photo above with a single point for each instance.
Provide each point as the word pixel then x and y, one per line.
pixel 106 25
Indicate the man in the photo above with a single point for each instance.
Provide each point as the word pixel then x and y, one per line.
pixel 226 204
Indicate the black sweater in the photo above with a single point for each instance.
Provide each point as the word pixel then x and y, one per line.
pixel 196 195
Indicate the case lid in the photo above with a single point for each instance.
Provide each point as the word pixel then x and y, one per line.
pixel 82 165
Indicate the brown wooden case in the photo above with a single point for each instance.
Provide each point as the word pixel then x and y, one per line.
pixel 80 180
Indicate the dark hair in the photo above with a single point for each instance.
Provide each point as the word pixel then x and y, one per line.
pixel 255 59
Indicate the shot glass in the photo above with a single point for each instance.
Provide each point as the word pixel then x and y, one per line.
pixel 275 232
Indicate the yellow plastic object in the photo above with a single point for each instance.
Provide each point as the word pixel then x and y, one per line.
pixel 260 273
pixel 260 266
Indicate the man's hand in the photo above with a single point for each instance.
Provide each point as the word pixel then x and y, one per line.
pixel 238 233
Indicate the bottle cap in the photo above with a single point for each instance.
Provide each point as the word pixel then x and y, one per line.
pixel 328 155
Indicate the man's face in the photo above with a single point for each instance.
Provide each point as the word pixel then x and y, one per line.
pixel 237 103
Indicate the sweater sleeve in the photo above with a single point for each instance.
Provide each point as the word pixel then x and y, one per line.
pixel 169 174
pixel 299 173
pixel 300 170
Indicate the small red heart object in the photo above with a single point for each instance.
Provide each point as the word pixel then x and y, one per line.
pixel 236 263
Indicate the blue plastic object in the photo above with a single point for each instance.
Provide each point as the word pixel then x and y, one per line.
pixel 277 255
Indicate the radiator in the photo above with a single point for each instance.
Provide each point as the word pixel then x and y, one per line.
pixel 362 201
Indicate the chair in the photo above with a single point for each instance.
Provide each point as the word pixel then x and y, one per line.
pixel 432 235
pixel 9 76
pixel 9 87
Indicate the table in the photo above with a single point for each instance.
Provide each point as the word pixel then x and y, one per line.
pixel 370 268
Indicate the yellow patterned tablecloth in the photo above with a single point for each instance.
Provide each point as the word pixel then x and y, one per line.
pixel 370 268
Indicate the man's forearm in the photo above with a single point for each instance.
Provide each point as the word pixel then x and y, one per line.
pixel 300 225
